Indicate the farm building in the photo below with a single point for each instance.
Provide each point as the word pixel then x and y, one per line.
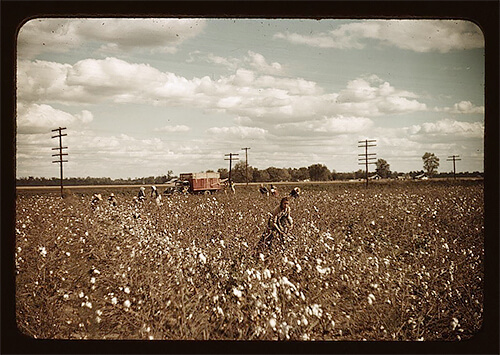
pixel 421 177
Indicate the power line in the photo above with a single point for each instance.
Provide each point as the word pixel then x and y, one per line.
pixel 231 158
pixel 367 156
pixel 454 158
pixel 60 154
pixel 246 163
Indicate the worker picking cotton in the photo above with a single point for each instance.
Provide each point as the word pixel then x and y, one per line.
pixel 95 201
pixel 142 195
pixel 278 224
pixel 112 200
pixel 156 195
pixel 295 192
pixel 263 190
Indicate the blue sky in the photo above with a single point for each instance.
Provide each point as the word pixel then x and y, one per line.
pixel 140 97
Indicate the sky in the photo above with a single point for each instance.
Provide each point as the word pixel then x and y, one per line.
pixel 143 96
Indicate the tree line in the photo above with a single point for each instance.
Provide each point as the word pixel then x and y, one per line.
pixel 320 172
pixel 241 173
pixel 77 181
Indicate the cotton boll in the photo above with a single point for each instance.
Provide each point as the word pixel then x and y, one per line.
pixel 272 323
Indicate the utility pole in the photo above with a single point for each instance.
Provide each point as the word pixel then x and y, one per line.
pixel 366 157
pixel 246 164
pixel 454 158
pixel 60 154
pixel 231 158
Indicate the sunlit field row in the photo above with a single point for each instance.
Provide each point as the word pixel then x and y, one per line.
pixel 388 262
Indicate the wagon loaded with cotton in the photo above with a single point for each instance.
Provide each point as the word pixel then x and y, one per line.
pixel 197 183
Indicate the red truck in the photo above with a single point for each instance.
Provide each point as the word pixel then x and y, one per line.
pixel 206 183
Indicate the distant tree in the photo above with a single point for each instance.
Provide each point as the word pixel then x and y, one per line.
pixel 319 172
pixel 359 174
pixel 224 173
pixel 284 175
pixel 431 163
pixel 239 170
pixel 302 174
pixel 164 178
pixel 278 174
pixel 383 168
pixel 260 175
pixel 343 176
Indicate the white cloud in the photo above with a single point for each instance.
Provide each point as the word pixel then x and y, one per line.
pixel 358 90
pixel 170 129
pixel 292 86
pixel 259 63
pixel 113 76
pixel 90 152
pixel 118 155
pixel 44 81
pixel 321 40
pixel 252 61
pixel 403 147
pixel 243 78
pixel 229 102
pixel 371 96
pixel 115 34
pixel 237 132
pixel 92 81
pixel 36 118
pixel 452 128
pixel 462 107
pixel 326 125
pixel 415 35
pixel 231 63
pixel 245 94
pixel 85 116
pixel 41 35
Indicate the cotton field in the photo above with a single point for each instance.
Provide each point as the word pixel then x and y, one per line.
pixel 400 261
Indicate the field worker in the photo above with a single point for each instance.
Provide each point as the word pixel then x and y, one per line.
pixel 295 192
pixel 156 195
pixel 280 222
pixel 142 194
pixel 231 185
pixel 274 190
pixel 95 200
pixel 263 190
pixel 112 199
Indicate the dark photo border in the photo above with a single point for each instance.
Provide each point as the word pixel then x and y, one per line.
pixel 484 13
